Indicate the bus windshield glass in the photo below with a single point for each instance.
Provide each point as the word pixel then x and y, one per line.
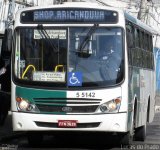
pixel 70 56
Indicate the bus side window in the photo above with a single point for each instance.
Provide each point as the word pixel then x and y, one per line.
pixel 142 40
pixel 130 43
pixel 137 36
pixel 130 38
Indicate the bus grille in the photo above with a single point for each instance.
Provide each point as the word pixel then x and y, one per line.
pixel 79 125
pixel 60 105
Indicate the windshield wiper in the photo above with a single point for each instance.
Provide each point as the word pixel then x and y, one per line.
pixel 44 33
pixel 87 38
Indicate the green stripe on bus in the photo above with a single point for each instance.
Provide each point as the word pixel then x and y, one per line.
pixel 30 93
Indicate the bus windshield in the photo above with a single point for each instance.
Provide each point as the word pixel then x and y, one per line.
pixel 52 56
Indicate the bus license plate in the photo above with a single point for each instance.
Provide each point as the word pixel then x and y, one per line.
pixel 67 123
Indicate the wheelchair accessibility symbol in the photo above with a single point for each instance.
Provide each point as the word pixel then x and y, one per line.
pixel 74 79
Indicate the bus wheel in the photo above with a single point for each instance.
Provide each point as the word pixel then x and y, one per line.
pixel 34 139
pixel 126 139
pixel 140 133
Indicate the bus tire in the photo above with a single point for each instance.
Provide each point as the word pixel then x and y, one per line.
pixel 35 139
pixel 140 133
pixel 126 139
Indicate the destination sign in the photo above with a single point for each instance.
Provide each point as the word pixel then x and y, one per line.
pixel 69 16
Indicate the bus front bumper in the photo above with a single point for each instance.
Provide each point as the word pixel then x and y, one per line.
pixel 49 122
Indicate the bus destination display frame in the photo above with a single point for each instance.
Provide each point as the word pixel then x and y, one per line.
pixel 69 15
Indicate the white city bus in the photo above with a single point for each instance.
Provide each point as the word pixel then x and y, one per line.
pixel 82 67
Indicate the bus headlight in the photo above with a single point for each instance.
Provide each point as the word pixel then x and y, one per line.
pixel 25 105
pixel 111 106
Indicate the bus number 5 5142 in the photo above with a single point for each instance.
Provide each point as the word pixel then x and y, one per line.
pixel 85 94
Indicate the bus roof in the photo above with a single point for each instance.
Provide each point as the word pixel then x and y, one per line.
pixel 139 23
pixel 73 5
